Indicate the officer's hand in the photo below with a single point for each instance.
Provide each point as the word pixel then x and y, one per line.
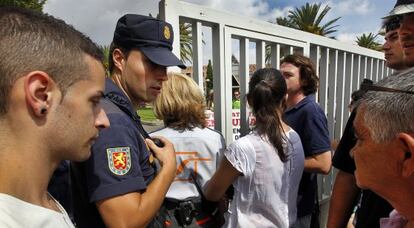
pixel 165 154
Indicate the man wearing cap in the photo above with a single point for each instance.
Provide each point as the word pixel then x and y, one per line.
pixel 405 9
pixel 371 207
pixel 394 57
pixel 117 186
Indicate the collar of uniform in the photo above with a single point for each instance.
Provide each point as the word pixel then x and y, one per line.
pixel 118 94
pixel 307 99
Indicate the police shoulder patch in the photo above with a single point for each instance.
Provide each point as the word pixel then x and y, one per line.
pixel 119 160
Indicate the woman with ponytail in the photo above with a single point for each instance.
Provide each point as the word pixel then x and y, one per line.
pixel 265 166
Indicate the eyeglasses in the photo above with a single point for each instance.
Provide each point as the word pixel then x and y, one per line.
pixel 369 87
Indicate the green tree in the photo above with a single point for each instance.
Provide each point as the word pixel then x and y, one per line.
pixel 28 4
pixel 186 48
pixel 209 77
pixel 284 21
pixel 105 50
pixel 369 41
pixel 309 18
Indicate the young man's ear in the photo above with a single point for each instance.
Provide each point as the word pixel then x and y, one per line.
pixel 407 141
pixel 38 87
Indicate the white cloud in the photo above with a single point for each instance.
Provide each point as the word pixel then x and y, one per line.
pixel 276 12
pixel 347 37
pixel 97 18
pixel 351 37
pixel 351 7
pixel 251 8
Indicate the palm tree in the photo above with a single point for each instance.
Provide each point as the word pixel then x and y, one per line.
pixel 369 41
pixel 186 48
pixel 284 21
pixel 308 18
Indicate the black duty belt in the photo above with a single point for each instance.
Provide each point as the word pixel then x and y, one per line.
pixel 186 210
pixel 171 204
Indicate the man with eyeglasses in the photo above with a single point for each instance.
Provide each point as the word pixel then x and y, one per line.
pixel 384 151
pixel 345 193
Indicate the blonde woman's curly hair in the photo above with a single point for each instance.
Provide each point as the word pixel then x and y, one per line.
pixel 181 104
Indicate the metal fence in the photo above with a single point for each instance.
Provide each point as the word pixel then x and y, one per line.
pixel 341 66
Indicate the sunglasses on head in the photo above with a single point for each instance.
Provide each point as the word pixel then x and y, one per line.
pixel 370 87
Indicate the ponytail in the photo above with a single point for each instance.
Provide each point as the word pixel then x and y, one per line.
pixel 267 90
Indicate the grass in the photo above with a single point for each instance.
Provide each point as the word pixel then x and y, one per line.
pixel 146 114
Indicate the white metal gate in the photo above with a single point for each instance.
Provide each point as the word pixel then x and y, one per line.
pixel 341 66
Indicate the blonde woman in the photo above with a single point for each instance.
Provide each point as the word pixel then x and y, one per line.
pixel 181 106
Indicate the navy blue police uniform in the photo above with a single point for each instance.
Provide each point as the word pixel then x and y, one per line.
pixel 310 122
pixel 120 161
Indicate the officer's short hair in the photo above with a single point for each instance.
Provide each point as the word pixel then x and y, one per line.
pixel 125 51
pixel 31 41
pixel 181 104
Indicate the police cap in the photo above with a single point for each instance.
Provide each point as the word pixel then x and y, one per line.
pixel 151 36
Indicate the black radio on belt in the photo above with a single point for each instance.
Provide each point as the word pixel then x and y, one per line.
pixel 185 213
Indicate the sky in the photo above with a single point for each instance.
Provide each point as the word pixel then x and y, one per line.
pixel 97 18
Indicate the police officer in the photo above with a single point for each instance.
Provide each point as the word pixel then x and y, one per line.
pixel 117 186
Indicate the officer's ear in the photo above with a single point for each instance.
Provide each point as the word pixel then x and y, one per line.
pixel 119 59
pixel 38 87
pixel 407 154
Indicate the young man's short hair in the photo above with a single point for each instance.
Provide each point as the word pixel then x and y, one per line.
pixel 391 23
pixel 31 41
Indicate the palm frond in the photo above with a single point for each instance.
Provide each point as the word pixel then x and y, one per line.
pixel 309 18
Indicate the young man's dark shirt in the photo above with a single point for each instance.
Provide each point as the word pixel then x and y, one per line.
pixel 310 122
